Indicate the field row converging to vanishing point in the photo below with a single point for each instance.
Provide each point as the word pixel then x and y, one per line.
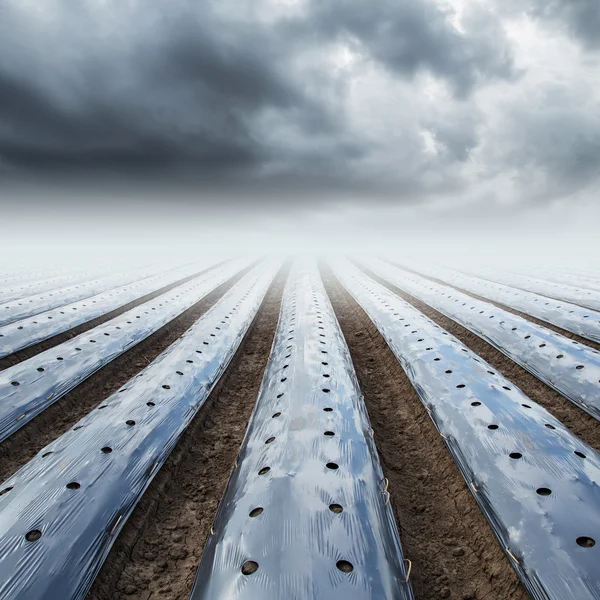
pixel 29 387
pixel 31 330
pixel 571 368
pixel 307 481
pixel 537 484
pixel 29 306
pixel 63 510
pixel 584 322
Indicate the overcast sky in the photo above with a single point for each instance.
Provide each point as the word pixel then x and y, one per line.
pixel 372 112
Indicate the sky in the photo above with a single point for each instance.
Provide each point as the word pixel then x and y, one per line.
pixel 437 123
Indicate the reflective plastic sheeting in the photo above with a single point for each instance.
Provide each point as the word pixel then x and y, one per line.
pixel 26 286
pixel 26 272
pixel 29 331
pixel 569 367
pixel 574 279
pixel 18 276
pixel 306 514
pixel 61 513
pixel 568 293
pixel 571 317
pixel 31 386
pixel 537 484
pixel 36 304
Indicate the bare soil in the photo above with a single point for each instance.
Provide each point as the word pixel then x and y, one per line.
pixel 454 552
pixel 158 551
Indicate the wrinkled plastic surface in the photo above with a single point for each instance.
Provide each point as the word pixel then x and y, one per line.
pixel 297 540
pixel 568 293
pixel 571 317
pixel 137 427
pixel 538 505
pixel 571 368
pixel 30 386
pixel 29 331
pixel 36 304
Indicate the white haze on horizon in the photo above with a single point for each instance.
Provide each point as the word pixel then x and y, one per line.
pixel 120 231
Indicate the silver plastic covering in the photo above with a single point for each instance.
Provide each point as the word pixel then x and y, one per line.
pixel 537 484
pixel 12 276
pixel 29 273
pixel 568 293
pixel 305 514
pixel 61 513
pixel 34 329
pixel 571 317
pixel 574 279
pixel 21 287
pixel 26 272
pixel 30 386
pixel 35 304
pixel 571 368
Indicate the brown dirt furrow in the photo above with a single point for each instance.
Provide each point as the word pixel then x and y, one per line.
pixel 579 422
pixel 555 328
pixel 23 445
pixel 21 355
pixel 454 552
pixel 157 553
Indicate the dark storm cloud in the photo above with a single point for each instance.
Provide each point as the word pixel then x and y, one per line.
pixel 41 133
pixel 408 37
pixel 191 99
pixel 254 100
pixel 174 90
pixel 456 138
pixel 549 141
pixel 579 18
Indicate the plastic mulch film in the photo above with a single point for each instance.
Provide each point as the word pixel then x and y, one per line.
pixel 15 276
pixel 568 293
pixel 26 286
pixel 34 329
pixel 29 387
pixel 571 368
pixel 575 279
pixel 38 303
pixel 61 513
pixel 571 317
pixel 306 513
pixel 536 483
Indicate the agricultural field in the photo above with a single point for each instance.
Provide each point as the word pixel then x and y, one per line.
pixel 299 428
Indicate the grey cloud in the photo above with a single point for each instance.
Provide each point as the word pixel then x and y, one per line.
pixel 187 104
pixel 457 137
pixel 547 143
pixel 408 37
pixel 209 105
pixel 173 91
pixel 579 18
pixel 192 99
